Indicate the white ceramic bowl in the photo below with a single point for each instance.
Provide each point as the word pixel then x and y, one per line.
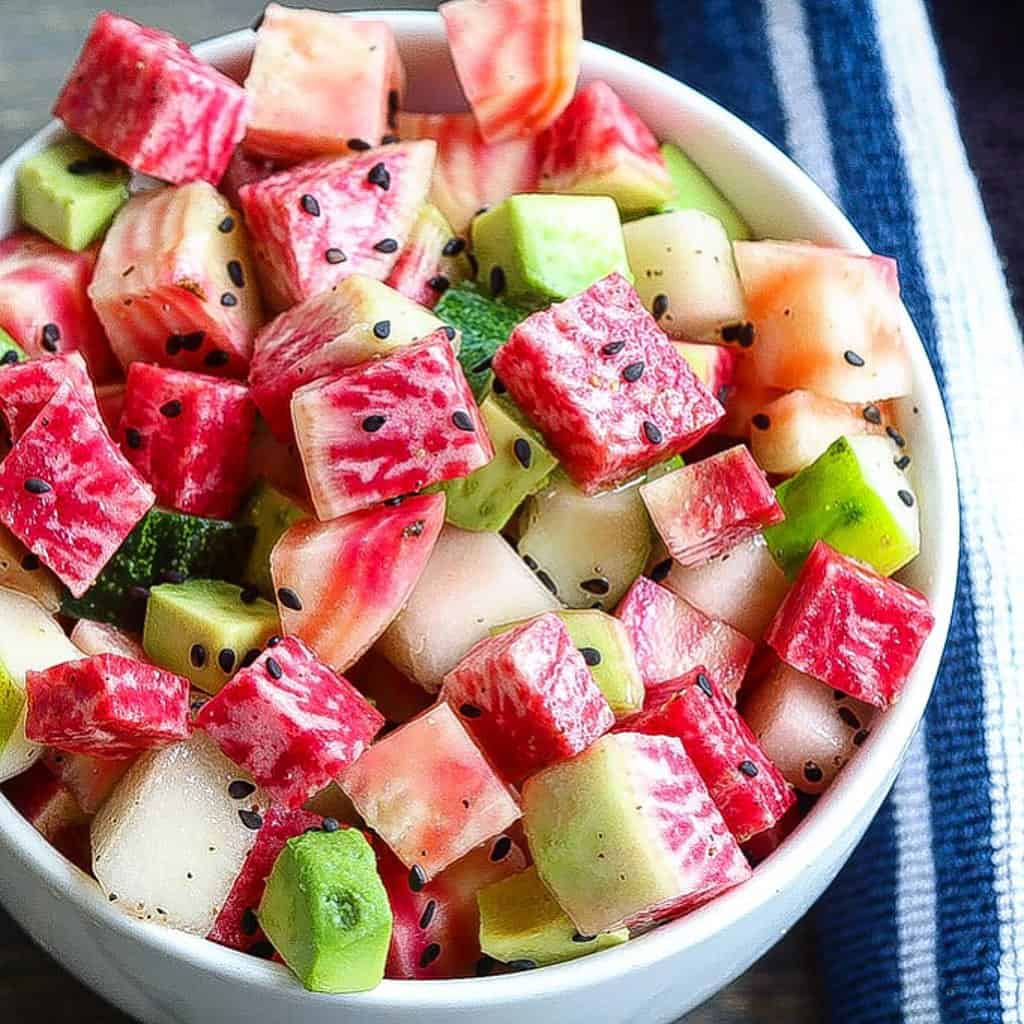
pixel 165 977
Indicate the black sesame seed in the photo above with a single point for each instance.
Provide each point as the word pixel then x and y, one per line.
pixel 613 348
pixel 273 641
pixel 250 922
pixel 241 790
pixel 251 819
pixel 226 659
pixel 591 655
pixel 371 424
pixel 250 656
pixel 498 281
pixel 906 497
pixel 812 773
pixel 484 966
pixel 578 937
pixel 387 245
pixel 761 421
pixel 853 358
pixel 439 284
pixel 289 599
pixel 193 341
pixel 331 825
pixel 51 335
pixel 263 949
pixel 112 897
pixel 414 529
pixel 449 331
pixel 9 358
pixel 453 247
pixel 229 299
pixel 470 711
pixel 742 333
pixel 358 145
pixel 173 345
pixel 382 329
pixel 661 570
pixel 392 108
pixel 132 438
pixel 749 769
pixel 838 695
pixel 547 581
pixel 36 486
pixel 521 965
pixel 394 502
pixel 462 420
pixel 483 366
pixel 848 717
pixel 274 669
pixel 430 954
pixel 417 878
pixel 651 432
pixel 902 462
pixel 310 205
pixel 335 256
pixel 30 563
pixel 428 914
pixel 379 176
pixel 861 736
pixel 872 414
pixel 523 452
pixel 659 307
pixel 498 386
pixel 249 594
pixel 227 225
pixel 197 655
pixel 217 358
pixel 596 585
pixel 530 563
pixel 236 273
pixel 502 848
pixel 633 372
pixel 705 685
pixel 898 439
pixel 171 409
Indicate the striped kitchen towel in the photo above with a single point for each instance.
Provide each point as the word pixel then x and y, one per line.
pixel 926 923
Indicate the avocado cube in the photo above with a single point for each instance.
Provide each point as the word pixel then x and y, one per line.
pixel 270 512
pixel 326 911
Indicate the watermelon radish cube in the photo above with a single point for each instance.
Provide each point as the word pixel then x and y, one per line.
pixel 44 302
pixel 471 174
pixel 187 433
pixel 714 365
pixel 670 637
pixel 743 586
pixel 428 267
pixel 27 387
pixel 605 386
pixel 172 838
pixel 626 834
pixel 708 507
pixel 290 721
pixel 139 94
pixel 809 730
pixel 517 61
pixel 436 931
pixel 323 220
pixel 340 584
pixel 429 793
pixel 303 63
pixel 825 320
pixel 51 809
pixel 856 498
pixel 90 780
pixel 520 921
pixel 746 787
pixel 472 582
pixel 22 571
pixel 237 926
pixel 388 428
pixel 600 147
pixel 528 697
pixel 106 706
pixel 852 629
pixel 326 334
pixel 175 284
pixel 67 492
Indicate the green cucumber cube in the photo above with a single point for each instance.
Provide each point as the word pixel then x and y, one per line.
pixel 270 513
pixel 696 191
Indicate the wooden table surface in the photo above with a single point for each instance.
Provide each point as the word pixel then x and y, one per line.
pixel 38 41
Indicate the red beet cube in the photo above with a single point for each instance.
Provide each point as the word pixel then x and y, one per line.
pixel 605 385
pixel 68 494
pixel 388 427
pixel 237 926
pixel 323 220
pixel 528 697
pixel 188 434
pixel 141 95
pixel 106 706
pixel 44 302
pixel 847 626
pixel 291 722
pixel 708 507
pixel 746 787
pixel 26 387
pixel 671 637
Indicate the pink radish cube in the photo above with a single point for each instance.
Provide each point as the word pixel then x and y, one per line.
pixel 528 697
pixel 854 630
pixel 48 805
pixel 26 387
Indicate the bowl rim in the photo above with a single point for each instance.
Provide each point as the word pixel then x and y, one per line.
pixel 845 801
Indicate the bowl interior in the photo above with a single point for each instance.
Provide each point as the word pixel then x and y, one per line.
pixel 777 200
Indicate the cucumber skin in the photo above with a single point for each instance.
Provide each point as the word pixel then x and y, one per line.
pixel 163 542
